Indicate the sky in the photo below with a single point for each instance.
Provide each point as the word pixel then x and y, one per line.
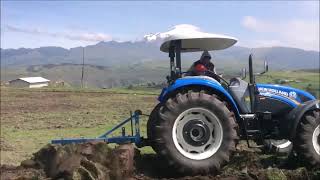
pixel 33 24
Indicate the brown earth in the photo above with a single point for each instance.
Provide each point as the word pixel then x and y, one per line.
pixel 83 161
pixel 31 118
pixel 96 161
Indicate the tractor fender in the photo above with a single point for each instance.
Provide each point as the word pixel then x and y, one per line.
pixel 198 81
pixel 294 117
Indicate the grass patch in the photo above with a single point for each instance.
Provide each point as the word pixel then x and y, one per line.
pixel 31 118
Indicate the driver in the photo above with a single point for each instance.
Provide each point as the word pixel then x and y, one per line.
pixel 201 66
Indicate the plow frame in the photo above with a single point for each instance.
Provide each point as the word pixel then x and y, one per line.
pixel 135 136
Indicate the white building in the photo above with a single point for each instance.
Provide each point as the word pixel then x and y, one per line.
pixel 30 82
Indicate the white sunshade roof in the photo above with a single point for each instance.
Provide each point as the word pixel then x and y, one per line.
pixel 193 40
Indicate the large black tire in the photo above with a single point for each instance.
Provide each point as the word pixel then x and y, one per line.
pixel 153 121
pixel 305 143
pixel 168 148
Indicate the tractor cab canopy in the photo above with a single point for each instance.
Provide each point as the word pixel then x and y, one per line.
pixel 176 43
pixel 198 41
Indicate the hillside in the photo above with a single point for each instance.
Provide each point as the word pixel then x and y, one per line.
pixel 112 64
pixel 119 53
pixel 147 73
pixel 94 76
pixel 107 76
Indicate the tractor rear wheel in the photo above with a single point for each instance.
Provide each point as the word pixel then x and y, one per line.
pixel 196 133
pixel 151 124
pixel 308 138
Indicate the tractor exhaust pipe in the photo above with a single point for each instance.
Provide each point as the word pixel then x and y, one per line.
pixel 251 86
pixel 251 70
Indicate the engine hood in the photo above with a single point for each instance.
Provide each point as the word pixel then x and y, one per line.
pixel 285 93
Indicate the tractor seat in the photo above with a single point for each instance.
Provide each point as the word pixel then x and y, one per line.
pixel 234 82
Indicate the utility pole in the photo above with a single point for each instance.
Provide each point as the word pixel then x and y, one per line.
pixel 82 67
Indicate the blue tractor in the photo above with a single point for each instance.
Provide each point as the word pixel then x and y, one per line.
pixel 200 119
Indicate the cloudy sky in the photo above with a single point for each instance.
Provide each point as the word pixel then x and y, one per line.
pixel 71 24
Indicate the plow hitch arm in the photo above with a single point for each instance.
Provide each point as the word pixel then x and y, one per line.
pixel 135 136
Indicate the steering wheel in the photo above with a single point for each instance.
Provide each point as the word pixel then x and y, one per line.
pixel 201 69
pixel 215 76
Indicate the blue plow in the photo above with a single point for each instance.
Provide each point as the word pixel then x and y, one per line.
pixel 123 139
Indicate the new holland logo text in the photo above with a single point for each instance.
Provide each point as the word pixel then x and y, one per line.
pixel 278 92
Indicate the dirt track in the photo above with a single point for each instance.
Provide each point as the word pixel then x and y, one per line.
pixel 98 161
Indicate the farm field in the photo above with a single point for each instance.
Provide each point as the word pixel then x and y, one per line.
pixel 30 118
pixel 305 80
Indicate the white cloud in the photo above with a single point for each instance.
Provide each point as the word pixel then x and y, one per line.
pixel 295 33
pixel 79 36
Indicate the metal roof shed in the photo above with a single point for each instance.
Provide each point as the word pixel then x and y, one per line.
pixel 30 82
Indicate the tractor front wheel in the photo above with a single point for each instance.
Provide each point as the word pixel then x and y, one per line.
pixel 196 133
pixel 308 138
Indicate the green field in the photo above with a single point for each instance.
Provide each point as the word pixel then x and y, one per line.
pixel 308 81
pixel 30 118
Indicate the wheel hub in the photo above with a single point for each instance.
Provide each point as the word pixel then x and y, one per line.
pixel 196 133
pixel 316 139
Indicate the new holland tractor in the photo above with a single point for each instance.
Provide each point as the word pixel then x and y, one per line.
pixel 200 119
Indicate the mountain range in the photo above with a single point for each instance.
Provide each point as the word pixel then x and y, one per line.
pixel 141 59
pixel 112 52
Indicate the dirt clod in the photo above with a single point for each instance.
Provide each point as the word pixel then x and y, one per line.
pixel 83 161
pixel 29 163
pixel 19 173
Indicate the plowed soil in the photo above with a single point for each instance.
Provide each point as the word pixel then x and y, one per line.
pixel 95 161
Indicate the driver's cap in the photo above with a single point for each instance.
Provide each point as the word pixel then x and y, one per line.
pixel 205 54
